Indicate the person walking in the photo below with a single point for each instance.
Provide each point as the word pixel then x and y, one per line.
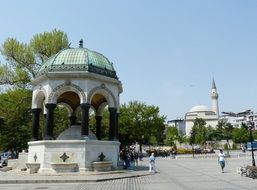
pixel 152 163
pixel 221 160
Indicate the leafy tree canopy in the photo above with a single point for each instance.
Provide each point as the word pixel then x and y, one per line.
pixel 24 59
pixel 171 136
pixel 198 132
pixel 15 110
pixel 140 122
pixel 240 135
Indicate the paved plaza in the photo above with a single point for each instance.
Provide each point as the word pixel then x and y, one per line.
pixel 177 174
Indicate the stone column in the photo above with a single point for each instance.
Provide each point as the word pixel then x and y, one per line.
pixel 49 121
pixel 98 119
pixel 85 118
pixel 117 126
pixel 112 123
pixel 35 123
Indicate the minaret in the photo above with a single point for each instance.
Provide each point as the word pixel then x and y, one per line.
pixel 214 98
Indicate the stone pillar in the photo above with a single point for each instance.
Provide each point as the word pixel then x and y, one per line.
pixel 98 119
pixel 117 126
pixel 112 123
pixel 35 123
pixel 85 119
pixel 49 121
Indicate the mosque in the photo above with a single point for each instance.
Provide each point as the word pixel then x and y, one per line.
pixel 211 117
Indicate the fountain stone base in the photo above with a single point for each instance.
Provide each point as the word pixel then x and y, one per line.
pixel 33 167
pixel 101 166
pixel 64 167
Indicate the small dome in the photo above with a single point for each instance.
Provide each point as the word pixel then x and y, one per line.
pixel 199 108
pixel 78 59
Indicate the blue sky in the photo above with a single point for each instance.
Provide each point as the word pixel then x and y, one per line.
pixel 165 52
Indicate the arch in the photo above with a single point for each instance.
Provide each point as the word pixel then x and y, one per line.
pixel 111 100
pixel 38 98
pixel 57 91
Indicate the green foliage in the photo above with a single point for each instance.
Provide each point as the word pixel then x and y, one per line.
pixel 104 124
pixel 219 130
pixel 198 132
pixel 171 136
pixel 61 121
pixel 139 122
pixel 24 59
pixel 240 135
pixel 210 133
pixel 22 62
pixel 223 130
pixel 44 45
pixel 153 140
pixel 14 108
pixel 254 133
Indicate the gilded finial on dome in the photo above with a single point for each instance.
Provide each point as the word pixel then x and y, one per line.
pixel 81 43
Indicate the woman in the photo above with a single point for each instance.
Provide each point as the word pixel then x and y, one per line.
pixel 152 163
pixel 221 160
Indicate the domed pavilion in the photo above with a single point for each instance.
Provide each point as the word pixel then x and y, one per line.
pixel 78 79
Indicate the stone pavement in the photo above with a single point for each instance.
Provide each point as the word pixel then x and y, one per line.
pixel 16 176
pixel 173 174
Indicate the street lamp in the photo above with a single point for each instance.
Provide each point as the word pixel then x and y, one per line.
pixel 251 126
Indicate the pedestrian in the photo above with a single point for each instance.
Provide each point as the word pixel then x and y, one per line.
pixel 152 163
pixel 136 158
pixel 173 154
pixel 221 160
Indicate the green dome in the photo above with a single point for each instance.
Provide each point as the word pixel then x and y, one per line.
pixel 78 59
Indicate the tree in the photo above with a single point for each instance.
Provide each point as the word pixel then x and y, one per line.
pixel 240 135
pixel 22 62
pixel 140 122
pixel 220 130
pixel 15 110
pixel 210 133
pixel 224 129
pixel 198 132
pixel 24 59
pixel 171 136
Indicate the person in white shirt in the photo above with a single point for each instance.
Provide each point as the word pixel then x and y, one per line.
pixel 221 160
pixel 152 163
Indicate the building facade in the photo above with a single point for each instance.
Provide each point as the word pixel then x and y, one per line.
pixel 178 123
pixel 237 119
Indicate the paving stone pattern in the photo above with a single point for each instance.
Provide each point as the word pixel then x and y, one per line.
pixel 187 174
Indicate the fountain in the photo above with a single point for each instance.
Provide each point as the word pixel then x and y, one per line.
pixel 80 80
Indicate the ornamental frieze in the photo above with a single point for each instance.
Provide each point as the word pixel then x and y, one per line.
pixel 66 84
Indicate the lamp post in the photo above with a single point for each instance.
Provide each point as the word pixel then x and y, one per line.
pixel 251 126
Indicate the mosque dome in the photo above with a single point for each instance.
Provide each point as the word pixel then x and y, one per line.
pixel 199 108
pixel 78 59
